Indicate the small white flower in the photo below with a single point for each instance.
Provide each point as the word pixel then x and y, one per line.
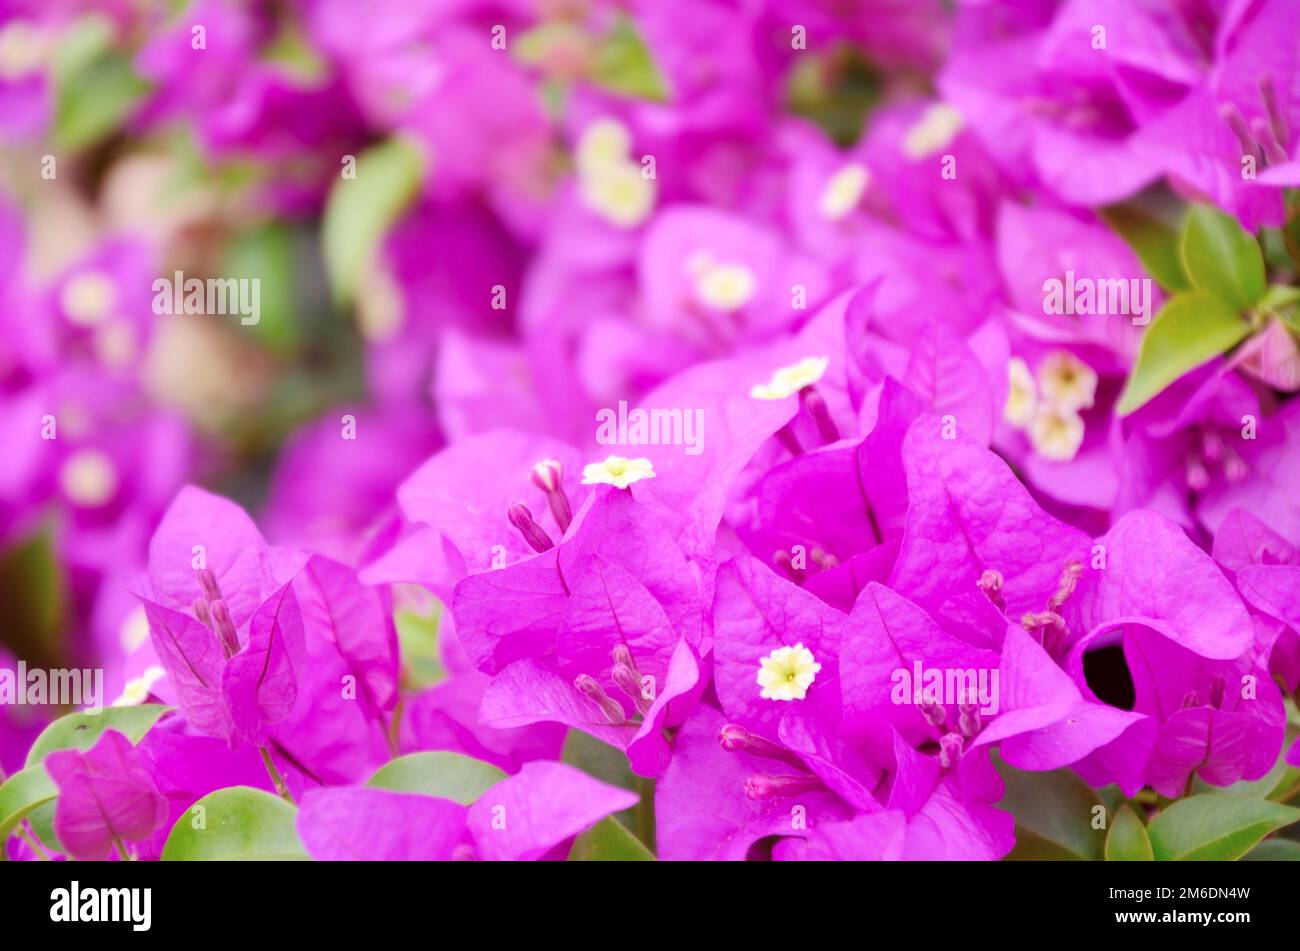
pixel 787 673
pixel 789 380
pixel 88 298
pixel 610 183
pixel 603 144
pixel 1056 433
pixel 722 286
pixel 88 478
pixel 1066 381
pixel 1022 394
pixel 935 130
pixel 843 191
pixel 619 193
pixel 617 471
pixel 137 691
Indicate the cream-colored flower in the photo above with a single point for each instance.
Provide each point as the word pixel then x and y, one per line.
pixel 1056 433
pixel 933 132
pixel 787 673
pixel 618 471
pixel 619 193
pixel 1066 381
pixel 136 691
pixel 603 144
pixel 844 190
pixel 1022 394
pixel 88 478
pixel 721 285
pixel 789 380
pixel 88 298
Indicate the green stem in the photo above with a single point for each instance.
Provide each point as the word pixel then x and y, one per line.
pixel 121 850
pixel 281 789
pixel 35 845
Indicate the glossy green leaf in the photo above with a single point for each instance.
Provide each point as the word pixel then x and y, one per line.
pixel 623 65
pixel 583 751
pixel 1190 329
pixel 21 793
pixel 235 824
pixel 1055 815
pixel 80 731
pixel 1221 258
pixel 1283 302
pixel 1274 850
pixel 1215 826
pixel 1155 242
pixel 360 210
pixel 443 774
pixel 268 255
pixel 417 637
pixel 609 841
pixel 95 101
pixel 1127 840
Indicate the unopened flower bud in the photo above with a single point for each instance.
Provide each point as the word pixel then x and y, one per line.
pixel 594 692
pixel 534 534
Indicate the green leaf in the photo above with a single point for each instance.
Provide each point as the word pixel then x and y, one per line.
pixel 1127 841
pixel 269 256
pixel 1280 301
pixel 417 637
pixel 41 823
pixel 447 775
pixel 95 101
pixel 360 211
pixel 238 824
pixel 1286 786
pixel 1271 785
pixel 609 841
pixel 85 40
pixel 608 764
pixel 623 65
pixel 80 731
pixel 1054 815
pixel 1154 241
pixel 1274 850
pixel 19 795
pixel 1190 329
pixel 1215 826
pixel 1221 258
pixel 33 591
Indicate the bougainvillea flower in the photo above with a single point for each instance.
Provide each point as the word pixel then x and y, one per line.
pixel 107 796
pixel 207 558
pixel 969 516
pixel 187 766
pixel 1168 607
pixel 521 818
pixel 703 811
pixel 1265 567
pixel 352 823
